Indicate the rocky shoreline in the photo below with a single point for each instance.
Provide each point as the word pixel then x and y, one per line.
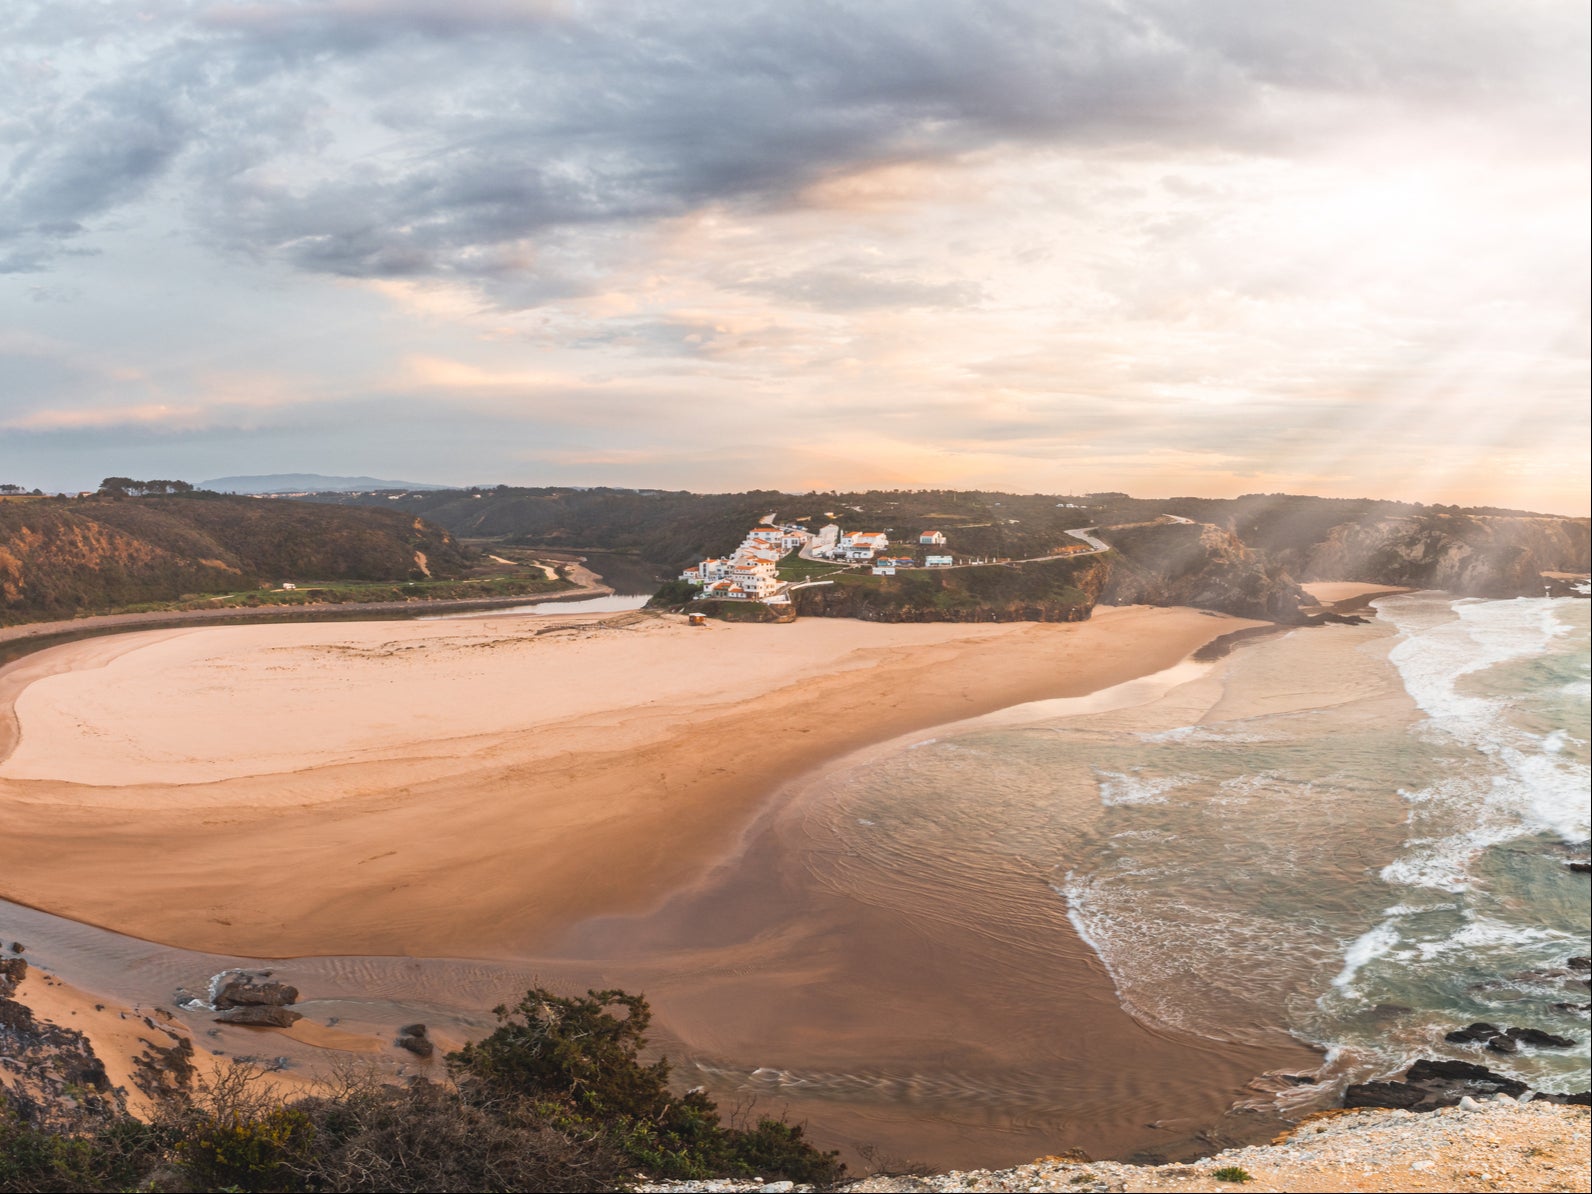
pixel 1497 1145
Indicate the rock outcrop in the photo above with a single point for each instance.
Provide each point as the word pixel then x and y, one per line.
pixel 258 1004
pixel 1200 565
pixel 1474 555
pixel 260 1017
pixel 49 1075
pixel 416 1040
pixel 1431 1084
pixel 245 992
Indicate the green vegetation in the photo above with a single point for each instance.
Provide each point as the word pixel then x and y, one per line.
pixel 673 594
pixel 1232 1173
pixel 794 568
pixel 363 593
pixel 674 530
pixel 63 557
pixel 1062 589
pixel 557 1098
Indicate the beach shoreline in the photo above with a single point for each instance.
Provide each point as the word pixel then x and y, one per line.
pixel 877 684
pixel 228 803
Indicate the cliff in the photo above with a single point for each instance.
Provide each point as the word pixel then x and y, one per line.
pixel 1199 565
pixel 63 556
pixel 1059 590
pixel 1476 555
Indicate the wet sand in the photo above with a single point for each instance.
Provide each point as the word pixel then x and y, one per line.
pixel 618 804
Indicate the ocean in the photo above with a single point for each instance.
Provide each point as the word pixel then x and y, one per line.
pixel 1353 837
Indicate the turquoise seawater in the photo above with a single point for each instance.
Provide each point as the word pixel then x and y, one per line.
pixel 1354 837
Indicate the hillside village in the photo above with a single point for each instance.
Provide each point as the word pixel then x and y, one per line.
pixel 751 571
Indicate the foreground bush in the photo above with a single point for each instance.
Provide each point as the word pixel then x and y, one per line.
pixel 583 1058
pixel 556 1099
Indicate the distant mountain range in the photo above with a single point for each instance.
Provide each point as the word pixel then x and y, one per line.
pixel 307 483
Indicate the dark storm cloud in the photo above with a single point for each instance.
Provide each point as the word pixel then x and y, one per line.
pixel 419 138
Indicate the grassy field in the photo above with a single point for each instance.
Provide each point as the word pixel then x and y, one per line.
pixel 360 592
pixel 794 568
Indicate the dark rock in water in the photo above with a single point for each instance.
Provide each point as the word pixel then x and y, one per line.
pixel 1580 867
pixel 420 1046
pixel 247 993
pixel 1431 1084
pixel 1399 1096
pixel 18 948
pixel 1503 1044
pixel 1479 1031
pixel 1574 1007
pixel 260 1016
pixel 1543 1040
pixel 1429 1070
pixel 412 1030
pixel 1580 963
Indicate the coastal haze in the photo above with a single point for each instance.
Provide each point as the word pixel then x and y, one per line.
pixel 1021 572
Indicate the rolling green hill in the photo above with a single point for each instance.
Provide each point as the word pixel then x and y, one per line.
pixel 1245 556
pixel 60 557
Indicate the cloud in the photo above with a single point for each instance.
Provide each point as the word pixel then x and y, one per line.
pixel 443 138
pixel 153 415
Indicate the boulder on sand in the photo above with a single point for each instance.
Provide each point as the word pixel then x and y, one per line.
pixel 260 1016
pixel 244 992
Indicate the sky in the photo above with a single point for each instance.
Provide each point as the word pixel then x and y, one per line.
pixel 1214 247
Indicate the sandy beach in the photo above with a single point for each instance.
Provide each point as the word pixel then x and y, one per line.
pixel 617 800
pixel 450 788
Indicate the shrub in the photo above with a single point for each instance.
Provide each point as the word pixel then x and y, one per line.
pixel 238 1152
pixel 578 1052
pixel 1232 1173
pixel 557 1098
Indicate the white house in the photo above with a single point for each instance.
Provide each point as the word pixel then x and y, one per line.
pixel 874 540
pixel 884 569
pixel 706 572
pixel 932 539
pixel 937 561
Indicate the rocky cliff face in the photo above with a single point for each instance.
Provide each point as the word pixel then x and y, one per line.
pixel 1061 590
pixel 1199 565
pixel 1473 555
